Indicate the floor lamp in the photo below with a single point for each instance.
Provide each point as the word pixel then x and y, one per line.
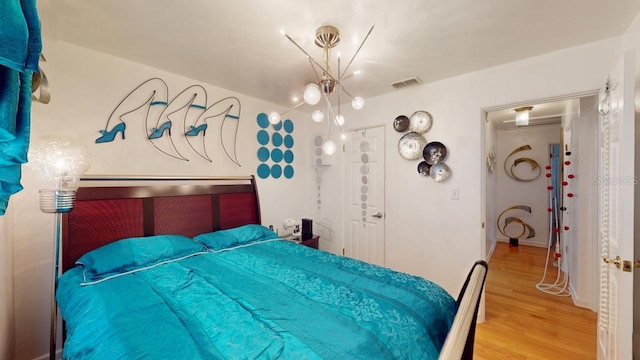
pixel 59 162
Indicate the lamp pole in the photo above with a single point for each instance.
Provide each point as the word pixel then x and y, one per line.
pixel 58 162
pixel 54 285
pixel 57 202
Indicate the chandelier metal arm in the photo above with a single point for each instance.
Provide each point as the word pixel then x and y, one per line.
pixel 340 86
pixel 354 56
pixel 314 70
pixel 326 71
pixel 343 89
pixel 293 107
pixel 329 107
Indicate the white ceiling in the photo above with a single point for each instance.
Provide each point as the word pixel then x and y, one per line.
pixel 238 45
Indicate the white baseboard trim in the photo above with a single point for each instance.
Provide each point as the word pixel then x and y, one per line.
pixel 579 302
pixel 491 250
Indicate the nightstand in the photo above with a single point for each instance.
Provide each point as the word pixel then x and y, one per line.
pixel 312 243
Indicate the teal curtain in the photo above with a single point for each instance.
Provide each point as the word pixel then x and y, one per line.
pixel 20 47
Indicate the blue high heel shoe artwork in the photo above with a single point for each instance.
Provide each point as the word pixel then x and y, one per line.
pixel 108 136
pixel 158 132
pixel 194 131
pixel 189 111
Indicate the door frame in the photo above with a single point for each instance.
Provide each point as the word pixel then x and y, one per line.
pixel 623 236
pixel 485 175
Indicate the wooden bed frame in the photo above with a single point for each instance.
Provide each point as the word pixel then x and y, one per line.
pixel 135 207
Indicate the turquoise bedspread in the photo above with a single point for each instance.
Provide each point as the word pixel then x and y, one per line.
pixel 271 299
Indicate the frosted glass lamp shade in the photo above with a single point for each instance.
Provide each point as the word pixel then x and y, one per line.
pixel 274 117
pixel 357 103
pixel 339 120
pixel 317 116
pixel 58 162
pixel 329 147
pixel 312 94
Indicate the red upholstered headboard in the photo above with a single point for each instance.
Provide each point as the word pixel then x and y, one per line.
pixel 143 207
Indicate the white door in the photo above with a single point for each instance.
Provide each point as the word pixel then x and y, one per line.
pixel 364 195
pixel 616 193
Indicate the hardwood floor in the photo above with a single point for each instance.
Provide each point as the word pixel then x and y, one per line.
pixel 524 323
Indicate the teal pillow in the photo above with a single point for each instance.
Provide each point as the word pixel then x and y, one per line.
pixel 135 253
pixel 224 239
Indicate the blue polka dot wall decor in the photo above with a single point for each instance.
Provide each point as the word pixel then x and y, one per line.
pixel 263 137
pixel 288 156
pixel 288 171
pixel 263 154
pixel 276 171
pixel 263 171
pixel 275 145
pixel 263 120
pixel 288 126
pixel 276 155
pixel 276 139
pixel 288 141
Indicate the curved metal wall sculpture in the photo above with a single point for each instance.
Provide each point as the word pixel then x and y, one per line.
pixel 187 111
pixel 535 167
pixel 526 228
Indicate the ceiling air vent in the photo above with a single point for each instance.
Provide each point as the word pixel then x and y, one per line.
pixel 406 83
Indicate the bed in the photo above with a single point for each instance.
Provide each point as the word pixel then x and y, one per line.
pixel 182 269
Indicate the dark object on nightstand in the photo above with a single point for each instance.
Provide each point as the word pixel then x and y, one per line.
pixel 312 242
pixel 307 229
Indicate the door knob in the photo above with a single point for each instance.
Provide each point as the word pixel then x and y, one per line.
pixel 617 261
pixel 378 215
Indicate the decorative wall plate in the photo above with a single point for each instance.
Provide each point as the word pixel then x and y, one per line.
pixel 434 152
pixel 420 122
pixel 401 123
pixel 439 171
pixel 411 145
pixel 423 168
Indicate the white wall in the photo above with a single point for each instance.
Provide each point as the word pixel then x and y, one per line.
pixel 528 193
pixel 86 86
pixel 580 241
pixel 6 292
pixel 427 233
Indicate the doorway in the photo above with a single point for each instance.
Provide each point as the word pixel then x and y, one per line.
pixel 575 118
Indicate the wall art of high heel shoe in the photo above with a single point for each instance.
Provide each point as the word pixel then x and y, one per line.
pixel 194 131
pixel 158 132
pixel 108 136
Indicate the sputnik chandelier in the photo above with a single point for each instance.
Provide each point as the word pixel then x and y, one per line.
pixel 326 83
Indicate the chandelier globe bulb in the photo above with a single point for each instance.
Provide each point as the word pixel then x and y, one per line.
pixel 329 147
pixel 317 116
pixel 357 103
pixel 274 117
pixel 312 94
